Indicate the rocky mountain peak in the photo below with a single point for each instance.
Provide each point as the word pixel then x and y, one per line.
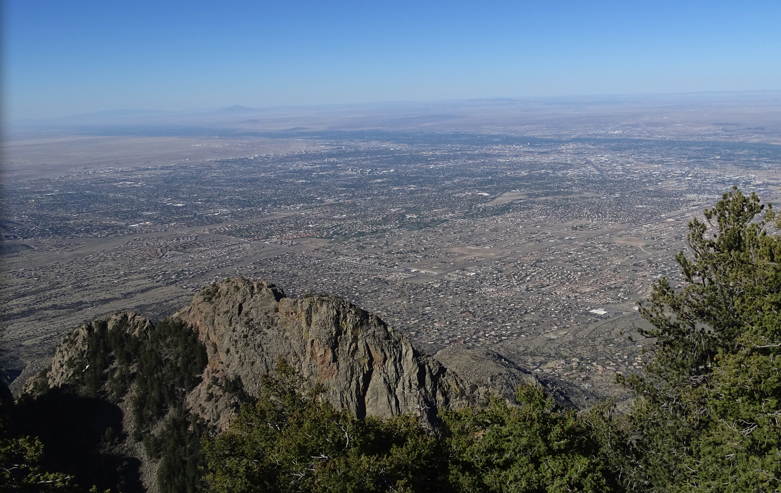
pixel 194 368
pixel 362 365
pixel 248 327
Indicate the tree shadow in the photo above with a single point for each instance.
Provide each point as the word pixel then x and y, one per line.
pixel 82 436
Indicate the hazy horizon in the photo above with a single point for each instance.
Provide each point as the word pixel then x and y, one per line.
pixel 495 114
pixel 574 98
pixel 71 59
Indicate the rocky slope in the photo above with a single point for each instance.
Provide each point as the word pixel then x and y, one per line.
pixel 66 364
pixel 364 366
pixel 246 328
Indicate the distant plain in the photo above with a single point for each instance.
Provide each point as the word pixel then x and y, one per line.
pixel 492 223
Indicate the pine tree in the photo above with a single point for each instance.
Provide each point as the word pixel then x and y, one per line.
pixel 708 417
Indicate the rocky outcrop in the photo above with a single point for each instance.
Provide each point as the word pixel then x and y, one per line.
pixel 360 363
pixel 210 355
pixel 70 356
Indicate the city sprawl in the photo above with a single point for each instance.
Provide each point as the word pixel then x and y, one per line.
pixel 537 248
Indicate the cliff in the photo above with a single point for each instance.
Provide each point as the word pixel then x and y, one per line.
pixel 196 367
pixel 361 364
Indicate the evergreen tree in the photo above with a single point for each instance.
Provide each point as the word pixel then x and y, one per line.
pixel 708 417
pixel 291 441
pixel 530 447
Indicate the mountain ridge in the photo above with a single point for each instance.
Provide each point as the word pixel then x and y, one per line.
pixel 215 353
pixel 248 327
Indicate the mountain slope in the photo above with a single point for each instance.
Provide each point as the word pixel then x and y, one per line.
pixel 192 370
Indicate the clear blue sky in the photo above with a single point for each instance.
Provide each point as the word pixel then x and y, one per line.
pixel 64 57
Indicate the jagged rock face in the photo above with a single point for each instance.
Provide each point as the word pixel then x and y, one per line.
pixel 362 365
pixel 247 328
pixel 73 348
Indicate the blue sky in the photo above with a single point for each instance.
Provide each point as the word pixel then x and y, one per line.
pixel 65 57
